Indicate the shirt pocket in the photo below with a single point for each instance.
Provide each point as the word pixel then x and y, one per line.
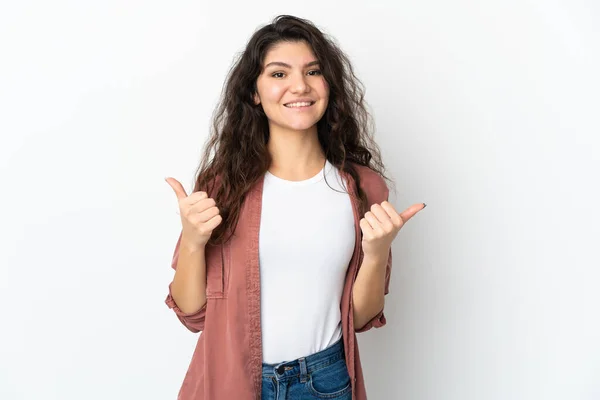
pixel 218 259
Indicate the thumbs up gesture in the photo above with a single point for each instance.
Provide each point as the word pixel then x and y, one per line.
pixel 199 214
pixel 381 225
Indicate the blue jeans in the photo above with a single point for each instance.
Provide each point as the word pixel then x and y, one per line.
pixel 322 375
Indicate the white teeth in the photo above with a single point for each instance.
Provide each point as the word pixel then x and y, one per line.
pixel 302 104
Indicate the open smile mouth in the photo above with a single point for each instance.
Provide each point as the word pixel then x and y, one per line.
pixel 300 105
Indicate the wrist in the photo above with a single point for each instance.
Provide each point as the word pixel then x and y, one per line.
pixel 190 246
pixel 375 259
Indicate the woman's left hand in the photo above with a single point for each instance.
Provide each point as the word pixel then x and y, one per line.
pixel 381 225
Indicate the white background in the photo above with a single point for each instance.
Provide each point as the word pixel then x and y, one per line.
pixel 486 110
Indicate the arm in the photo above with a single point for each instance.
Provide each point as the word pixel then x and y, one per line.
pixel 379 227
pixel 368 295
pixel 187 291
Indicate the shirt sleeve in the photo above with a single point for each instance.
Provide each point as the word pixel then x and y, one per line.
pixel 192 321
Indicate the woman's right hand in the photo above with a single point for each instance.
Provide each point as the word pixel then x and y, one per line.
pixel 199 215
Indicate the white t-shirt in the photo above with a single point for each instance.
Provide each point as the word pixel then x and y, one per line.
pixel 306 242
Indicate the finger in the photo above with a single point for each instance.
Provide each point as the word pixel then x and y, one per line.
pixel 392 213
pixel 383 216
pixel 214 222
pixel 374 222
pixel 177 188
pixel 366 228
pixel 411 211
pixel 207 214
pixel 196 197
pixel 201 205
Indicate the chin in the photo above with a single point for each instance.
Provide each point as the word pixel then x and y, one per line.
pixel 302 124
pixel 302 127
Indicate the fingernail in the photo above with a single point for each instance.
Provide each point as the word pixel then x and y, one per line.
pixel 424 205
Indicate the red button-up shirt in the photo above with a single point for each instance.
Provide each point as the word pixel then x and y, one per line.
pixel 227 361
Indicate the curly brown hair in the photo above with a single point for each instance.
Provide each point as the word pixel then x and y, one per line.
pixel 236 154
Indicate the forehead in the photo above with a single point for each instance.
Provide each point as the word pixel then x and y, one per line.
pixel 290 53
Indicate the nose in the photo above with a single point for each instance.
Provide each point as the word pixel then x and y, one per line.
pixel 299 84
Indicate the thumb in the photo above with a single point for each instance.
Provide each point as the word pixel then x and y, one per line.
pixel 411 211
pixel 177 188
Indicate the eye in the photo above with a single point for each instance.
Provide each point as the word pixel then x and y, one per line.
pixel 277 73
pixel 316 72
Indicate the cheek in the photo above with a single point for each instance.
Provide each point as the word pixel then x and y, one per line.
pixel 269 91
pixel 276 92
pixel 323 88
pixel 272 93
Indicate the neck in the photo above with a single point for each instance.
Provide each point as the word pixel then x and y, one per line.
pixel 296 155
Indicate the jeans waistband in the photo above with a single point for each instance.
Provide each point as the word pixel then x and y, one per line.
pixel 305 365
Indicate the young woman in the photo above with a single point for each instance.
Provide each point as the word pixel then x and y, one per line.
pixel 285 248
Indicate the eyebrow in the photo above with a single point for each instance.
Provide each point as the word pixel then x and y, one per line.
pixel 282 64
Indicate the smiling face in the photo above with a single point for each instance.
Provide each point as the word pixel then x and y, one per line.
pixel 291 88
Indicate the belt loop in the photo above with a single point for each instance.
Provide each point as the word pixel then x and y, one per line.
pixel 303 372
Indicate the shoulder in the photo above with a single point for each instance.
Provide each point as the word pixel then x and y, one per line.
pixel 372 184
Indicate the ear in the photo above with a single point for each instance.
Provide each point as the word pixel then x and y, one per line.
pixel 256 99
